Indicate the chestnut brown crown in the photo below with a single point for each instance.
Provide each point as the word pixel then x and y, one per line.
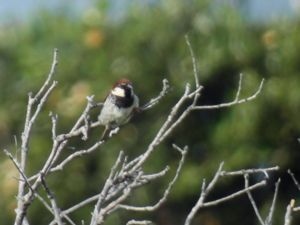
pixel 122 82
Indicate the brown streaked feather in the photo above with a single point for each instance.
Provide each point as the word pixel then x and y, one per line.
pixel 122 81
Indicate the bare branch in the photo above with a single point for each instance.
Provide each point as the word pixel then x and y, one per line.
pixel 30 118
pixel 157 140
pixel 203 195
pixel 124 176
pixel 149 177
pixel 294 179
pixel 41 104
pixel 48 207
pixel 102 213
pixel 143 180
pixel 234 102
pixel 237 96
pixel 139 180
pixel 296 209
pixel 80 205
pixel 55 208
pixel 54 118
pixel 220 173
pixel 179 119
pixel 193 60
pixel 236 194
pixel 136 222
pixel 215 179
pixel 183 153
pixel 77 154
pixel 50 75
pixel 198 88
pixel 249 171
pixel 108 184
pixel 89 106
pixel 288 214
pixel 246 177
pixel 28 184
pixel 272 208
pixel 156 100
pixel 56 151
pixel 22 174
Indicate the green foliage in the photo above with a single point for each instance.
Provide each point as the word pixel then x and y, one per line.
pixel 147 45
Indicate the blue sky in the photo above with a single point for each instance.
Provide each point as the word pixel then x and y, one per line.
pixel 20 10
pixel 269 9
pixel 23 9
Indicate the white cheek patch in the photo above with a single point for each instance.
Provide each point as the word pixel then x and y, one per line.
pixel 118 92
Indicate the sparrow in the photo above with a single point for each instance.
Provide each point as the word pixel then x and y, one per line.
pixel 119 106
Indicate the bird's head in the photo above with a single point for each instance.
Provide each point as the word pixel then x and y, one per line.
pixel 122 88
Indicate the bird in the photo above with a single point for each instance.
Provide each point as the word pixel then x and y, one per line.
pixel 119 106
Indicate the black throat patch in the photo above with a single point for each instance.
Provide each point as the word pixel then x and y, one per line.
pixel 124 102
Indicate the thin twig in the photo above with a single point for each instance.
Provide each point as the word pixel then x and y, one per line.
pixel 108 184
pixel 269 218
pixel 183 153
pixel 157 140
pixel 294 179
pixel 249 171
pixel 40 99
pixel 40 198
pixel 76 154
pixel 220 173
pixel 296 209
pixel 137 222
pixel 144 179
pixel 124 176
pixel 50 75
pixel 195 69
pixel 232 103
pixel 156 100
pixel 204 193
pixel 54 118
pixel 24 178
pixel 237 96
pixel 236 194
pixel 288 214
pixel 246 177
pixel 114 204
pixel 55 208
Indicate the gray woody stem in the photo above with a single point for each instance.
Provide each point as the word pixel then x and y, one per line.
pixel 124 176
pixel 220 173
pixel 40 98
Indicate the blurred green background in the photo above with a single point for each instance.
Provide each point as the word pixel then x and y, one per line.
pixel 103 41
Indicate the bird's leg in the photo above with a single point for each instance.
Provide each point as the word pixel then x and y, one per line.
pixel 105 133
